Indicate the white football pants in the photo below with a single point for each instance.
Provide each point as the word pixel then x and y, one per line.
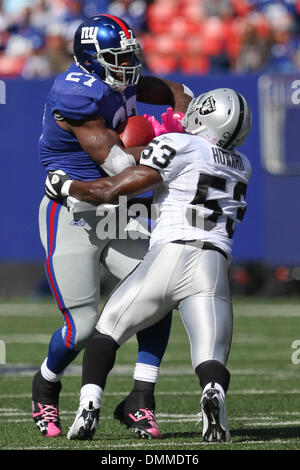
pixel 176 275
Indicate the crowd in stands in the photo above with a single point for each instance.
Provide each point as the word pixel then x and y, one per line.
pixel 190 36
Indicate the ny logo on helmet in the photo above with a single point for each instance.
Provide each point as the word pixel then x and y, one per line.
pixel 89 34
pixel 208 106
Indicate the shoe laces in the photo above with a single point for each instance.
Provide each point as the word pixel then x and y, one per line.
pixel 49 413
pixel 200 414
pixel 145 413
pixel 151 418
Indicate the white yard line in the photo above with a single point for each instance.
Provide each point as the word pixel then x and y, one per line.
pixel 25 338
pixel 167 393
pixel 156 444
pixel 259 419
pixel 28 310
pixel 260 310
pixel 40 338
pixel 274 423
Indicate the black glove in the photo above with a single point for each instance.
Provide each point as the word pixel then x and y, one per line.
pixel 55 187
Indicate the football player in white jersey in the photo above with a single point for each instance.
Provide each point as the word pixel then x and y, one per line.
pixel 200 183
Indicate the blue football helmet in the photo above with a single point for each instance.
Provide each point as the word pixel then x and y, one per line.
pixel 102 44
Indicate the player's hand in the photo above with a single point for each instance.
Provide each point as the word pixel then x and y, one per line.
pixel 57 184
pixel 171 121
pixel 157 127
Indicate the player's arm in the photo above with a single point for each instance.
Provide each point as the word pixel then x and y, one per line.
pixel 160 91
pixel 131 182
pixel 157 165
pixel 96 139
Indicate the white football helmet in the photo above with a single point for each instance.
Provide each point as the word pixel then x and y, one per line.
pixel 221 116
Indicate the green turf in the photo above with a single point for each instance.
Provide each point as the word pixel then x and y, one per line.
pixel 263 402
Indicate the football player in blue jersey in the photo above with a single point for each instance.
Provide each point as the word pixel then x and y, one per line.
pixel 84 107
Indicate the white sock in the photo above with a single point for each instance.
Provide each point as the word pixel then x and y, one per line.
pixel 146 373
pixel 91 392
pixel 48 374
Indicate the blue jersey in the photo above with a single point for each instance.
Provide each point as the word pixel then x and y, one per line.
pixel 79 95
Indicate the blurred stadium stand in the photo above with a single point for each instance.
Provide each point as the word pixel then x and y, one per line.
pixel 192 36
pixel 203 43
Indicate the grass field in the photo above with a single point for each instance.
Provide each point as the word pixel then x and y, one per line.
pixel 263 402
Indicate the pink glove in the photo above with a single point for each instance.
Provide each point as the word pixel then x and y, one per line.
pixel 170 121
pixel 157 127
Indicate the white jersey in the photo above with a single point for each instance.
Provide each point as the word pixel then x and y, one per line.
pixel 203 192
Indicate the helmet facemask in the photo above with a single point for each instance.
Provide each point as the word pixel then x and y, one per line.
pixel 116 75
pixel 191 121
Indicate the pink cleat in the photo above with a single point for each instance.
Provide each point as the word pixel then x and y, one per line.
pixel 47 419
pixel 45 397
pixel 142 421
pixel 144 424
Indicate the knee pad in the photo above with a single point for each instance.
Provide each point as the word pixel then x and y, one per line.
pixel 79 326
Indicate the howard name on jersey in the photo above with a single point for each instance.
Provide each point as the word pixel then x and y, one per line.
pixel 203 193
pixel 78 95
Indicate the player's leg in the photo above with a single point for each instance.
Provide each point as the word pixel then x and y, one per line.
pixel 207 317
pixel 139 301
pixel 121 257
pixel 140 402
pixel 72 267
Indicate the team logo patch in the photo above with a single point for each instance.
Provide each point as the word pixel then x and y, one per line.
pixel 78 223
pixel 208 106
pixel 55 179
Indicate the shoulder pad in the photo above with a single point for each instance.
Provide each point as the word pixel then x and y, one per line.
pixel 247 164
pixel 77 100
pixel 74 107
pixel 175 140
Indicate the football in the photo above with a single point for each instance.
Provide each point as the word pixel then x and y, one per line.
pixel 136 131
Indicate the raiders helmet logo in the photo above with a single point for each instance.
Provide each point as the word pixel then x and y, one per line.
pixel 208 106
